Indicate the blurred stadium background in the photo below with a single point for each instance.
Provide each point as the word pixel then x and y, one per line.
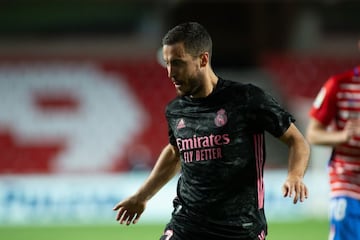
pixel 82 96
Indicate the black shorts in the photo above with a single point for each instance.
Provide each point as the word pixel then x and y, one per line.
pixel 188 226
pixel 179 232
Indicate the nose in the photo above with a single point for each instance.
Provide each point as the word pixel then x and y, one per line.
pixel 169 71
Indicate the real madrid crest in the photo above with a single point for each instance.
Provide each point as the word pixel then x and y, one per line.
pixel 221 118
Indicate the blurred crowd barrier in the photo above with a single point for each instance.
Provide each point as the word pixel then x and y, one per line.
pixel 89 199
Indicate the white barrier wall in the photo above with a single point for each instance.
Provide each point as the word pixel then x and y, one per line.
pixel 64 199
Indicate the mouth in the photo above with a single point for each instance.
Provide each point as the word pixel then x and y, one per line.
pixel 177 84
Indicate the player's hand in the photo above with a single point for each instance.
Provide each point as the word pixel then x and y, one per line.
pixel 352 128
pixel 129 210
pixel 295 188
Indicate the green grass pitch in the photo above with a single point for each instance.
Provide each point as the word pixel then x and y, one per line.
pixel 303 230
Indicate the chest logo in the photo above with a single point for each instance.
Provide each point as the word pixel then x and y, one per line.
pixel 180 124
pixel 221 118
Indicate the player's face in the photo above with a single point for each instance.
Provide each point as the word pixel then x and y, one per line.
pixel 183 69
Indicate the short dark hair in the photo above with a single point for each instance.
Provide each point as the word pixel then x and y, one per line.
pixel 195 37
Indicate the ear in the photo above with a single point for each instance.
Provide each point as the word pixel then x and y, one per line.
pixel 204 59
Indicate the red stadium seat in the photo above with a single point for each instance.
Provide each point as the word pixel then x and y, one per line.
pixel 302 76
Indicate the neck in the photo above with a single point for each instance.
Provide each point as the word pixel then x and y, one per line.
pixel 209 84
pixel 212 82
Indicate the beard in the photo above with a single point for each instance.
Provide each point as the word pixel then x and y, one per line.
pixel 190 88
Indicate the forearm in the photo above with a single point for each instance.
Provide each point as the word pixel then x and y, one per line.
pixel 298 158
pixel 326 138
pixel 299 151
pixel 319 134
pixel 166 167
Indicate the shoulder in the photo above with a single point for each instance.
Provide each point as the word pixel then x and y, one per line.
pixel 243 92
pixel 248 90
pixel 334 81
pixel 225 84
pixel 230 86
pixel 342 77
pixel 173 104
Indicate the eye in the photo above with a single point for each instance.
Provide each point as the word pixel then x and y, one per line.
pixel 176 63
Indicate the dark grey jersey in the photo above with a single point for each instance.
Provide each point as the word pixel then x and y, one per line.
pixel 222 147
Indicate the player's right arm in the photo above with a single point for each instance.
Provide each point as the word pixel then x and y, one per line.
pixel 318 133
pixel 167 166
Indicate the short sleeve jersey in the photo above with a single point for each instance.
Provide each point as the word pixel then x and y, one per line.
pixel 222 150
pixel 336 103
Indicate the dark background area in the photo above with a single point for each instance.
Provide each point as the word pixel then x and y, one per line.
pixel 241 30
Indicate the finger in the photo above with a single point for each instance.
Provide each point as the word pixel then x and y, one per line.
pixel 136 218
pixel 130 219
pixel 124 218
pixel 297 193
pixel 296 197
pixel 304 193
pixel 285 190
pixel 291 191
pixel 120 214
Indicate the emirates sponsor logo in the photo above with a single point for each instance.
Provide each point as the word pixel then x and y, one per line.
pixel 200 148
pixel 202 141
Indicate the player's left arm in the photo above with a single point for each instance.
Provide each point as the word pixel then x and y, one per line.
pixel 299 153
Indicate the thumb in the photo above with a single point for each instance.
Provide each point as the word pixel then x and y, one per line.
pixel 117 206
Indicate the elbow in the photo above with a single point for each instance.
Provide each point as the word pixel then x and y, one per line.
pixel 315 132
pixel 307 143
pixel 310 137
pixel 306 146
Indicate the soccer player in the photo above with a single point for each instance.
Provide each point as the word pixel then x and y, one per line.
pixel 335 121
pixel 216 141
